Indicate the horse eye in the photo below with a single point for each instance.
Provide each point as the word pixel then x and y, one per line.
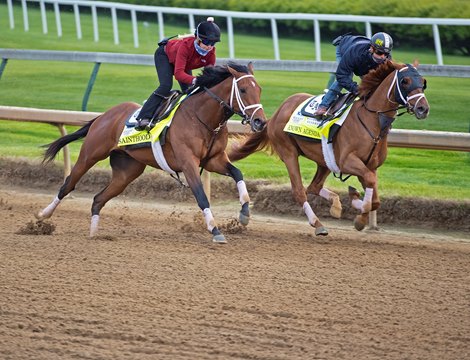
pixel 404 81
pixel 243 91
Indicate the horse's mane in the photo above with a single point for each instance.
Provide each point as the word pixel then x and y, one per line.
pixel 373 78
pixel 212 75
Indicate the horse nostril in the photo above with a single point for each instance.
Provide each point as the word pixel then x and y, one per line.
pixel 258 124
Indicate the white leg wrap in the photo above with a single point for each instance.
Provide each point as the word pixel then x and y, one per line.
pixel 367 203
pixel 357 204
pixel 310 214
pixel 243 192
pixel 95 219
pixel 49 209
pixel 326 194
pixel 209 219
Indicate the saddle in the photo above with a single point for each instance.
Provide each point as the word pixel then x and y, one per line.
pixel 166 107
pixel 338 107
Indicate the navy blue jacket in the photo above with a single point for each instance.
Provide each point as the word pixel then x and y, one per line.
pixel 355 59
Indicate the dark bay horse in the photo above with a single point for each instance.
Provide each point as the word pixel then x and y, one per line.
pixel 196 138
pixel 359 147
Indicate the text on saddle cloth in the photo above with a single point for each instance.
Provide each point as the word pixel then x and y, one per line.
pixel 131 136
pixel 302 122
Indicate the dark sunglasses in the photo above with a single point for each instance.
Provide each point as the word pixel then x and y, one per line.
pixel 208 42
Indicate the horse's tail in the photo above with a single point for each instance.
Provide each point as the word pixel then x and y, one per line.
pixel 54 147
pixel 248 144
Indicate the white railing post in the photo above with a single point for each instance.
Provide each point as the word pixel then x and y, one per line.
pixel 94 18
pixel 115 25
pixel 231 42
pixel 25 15
pixel 161 30
pixel 58 23
pixel 368 29
pixel 277 56
pixel 192 23
pixel 437 44
pixel 42 6
pixel 78 25
pixel 316 36
pixel 134 28
pixel 10 14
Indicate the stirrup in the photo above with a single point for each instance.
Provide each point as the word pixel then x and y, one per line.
pixel 142 124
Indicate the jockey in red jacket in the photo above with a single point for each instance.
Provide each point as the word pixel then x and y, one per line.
pixel 178 57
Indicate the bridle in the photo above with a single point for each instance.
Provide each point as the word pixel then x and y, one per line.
pixel 401 94
pixel 402 97
pixel 235 96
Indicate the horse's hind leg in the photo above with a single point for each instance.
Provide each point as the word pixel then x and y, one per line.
pixel 316 187
pixel 125 169
pixel 78 170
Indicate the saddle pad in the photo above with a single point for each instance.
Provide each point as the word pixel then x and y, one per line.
pixel 302 123
pixel 131 136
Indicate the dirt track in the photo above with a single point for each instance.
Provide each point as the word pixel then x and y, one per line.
pixel 153 286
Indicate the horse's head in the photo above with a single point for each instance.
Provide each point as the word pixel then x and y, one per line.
pixel 245 97
pixel 409 91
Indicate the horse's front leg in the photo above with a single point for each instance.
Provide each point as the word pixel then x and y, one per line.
pixel 221 165
pixel 316 187
pixel 369 203
pixel 194 181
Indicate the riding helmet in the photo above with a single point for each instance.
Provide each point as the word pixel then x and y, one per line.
pixel 382 42
pixel 208 30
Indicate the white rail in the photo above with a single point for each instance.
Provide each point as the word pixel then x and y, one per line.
pixel 273 18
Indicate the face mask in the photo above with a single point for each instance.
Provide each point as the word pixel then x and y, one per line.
pixel 199 49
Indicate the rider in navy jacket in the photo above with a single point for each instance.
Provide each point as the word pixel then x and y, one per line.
pixel 356 55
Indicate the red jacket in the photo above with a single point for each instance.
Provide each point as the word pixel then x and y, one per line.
pixel 184 57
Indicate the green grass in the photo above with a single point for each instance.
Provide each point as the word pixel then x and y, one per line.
pixel 61 85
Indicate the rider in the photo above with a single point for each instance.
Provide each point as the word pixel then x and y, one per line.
pixel 355 55
pixel 178 57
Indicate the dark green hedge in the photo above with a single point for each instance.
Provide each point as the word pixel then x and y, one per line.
pixel 453 38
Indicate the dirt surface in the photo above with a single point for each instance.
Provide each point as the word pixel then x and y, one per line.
pixel 152 285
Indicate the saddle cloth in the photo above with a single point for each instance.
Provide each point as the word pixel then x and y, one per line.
pixel 302 122
pixel 132 137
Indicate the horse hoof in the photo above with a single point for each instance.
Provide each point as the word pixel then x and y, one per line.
pixel 219 239
pixel 39 216
pixel 321 231
pixel 359 225
pixel 336 212
pixel 243 219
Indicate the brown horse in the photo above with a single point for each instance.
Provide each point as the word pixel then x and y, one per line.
pixel 196 138
pixel 359 147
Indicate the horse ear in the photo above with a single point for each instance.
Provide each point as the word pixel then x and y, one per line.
pixel 416 63
pixel 250 68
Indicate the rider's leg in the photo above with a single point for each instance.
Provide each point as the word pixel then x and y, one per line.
pixel 165 77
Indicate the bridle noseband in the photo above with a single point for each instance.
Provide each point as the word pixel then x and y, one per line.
pixel 235 95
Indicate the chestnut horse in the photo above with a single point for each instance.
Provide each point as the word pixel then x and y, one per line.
pixel 359 147
pixel 196 138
